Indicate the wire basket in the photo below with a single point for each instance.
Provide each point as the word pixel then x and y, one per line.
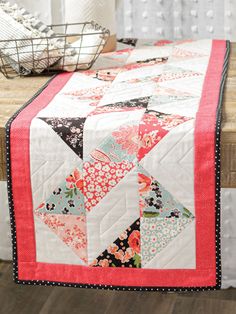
pixel 72 47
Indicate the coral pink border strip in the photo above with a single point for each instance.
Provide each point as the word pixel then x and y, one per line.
pixel 205 177
pixel 205 272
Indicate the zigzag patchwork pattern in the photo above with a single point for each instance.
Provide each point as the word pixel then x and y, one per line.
pixel 160 216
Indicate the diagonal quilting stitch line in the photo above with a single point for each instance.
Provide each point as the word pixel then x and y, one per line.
pixel 179 163
pixel 179 160
pixel 55 170
pixel 174 179
pixel 189 241
pixel 184 156
pixel 102 233
pixel 186 172
pixel 36 173
pixel 47 162
pixel 132 88
pixel 188 226
pixel 108 89
pixel 173 147
pixel 58 237
pixel 36 170
pixel 133 165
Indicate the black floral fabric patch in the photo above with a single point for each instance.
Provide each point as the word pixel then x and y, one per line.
pixel 140 102
pixel 128 41
pixel 70 130
pixel 124 251
pixel 154 60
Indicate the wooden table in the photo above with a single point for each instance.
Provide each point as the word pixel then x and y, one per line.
pixel 14 93
pixel 228 133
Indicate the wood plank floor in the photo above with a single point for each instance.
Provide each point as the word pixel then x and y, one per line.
pixel 18 299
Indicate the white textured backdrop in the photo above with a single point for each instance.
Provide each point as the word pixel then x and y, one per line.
pixel 176 19
pixel 170 19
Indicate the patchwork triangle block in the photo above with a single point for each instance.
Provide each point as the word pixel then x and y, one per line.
pixel 153 127
pixel 157 233
pixel 119 57
pixel 162 42
pixel 67 198
pixel 175 73
pixel 70 229
pixel 121 145
pixel 181 53
pixel 124 251
pixel 128 105
pixel 109 74
pixel 168 95
pixel 145 63
pixel 92 94
pixel 70 130
pixel 171 92
pixel 156 201
pixel 100 178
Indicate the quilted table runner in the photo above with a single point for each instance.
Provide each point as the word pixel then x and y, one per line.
pixel 114 173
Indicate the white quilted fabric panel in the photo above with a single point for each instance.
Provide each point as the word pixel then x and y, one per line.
pixel 194 85
pixel 122 92
pixel 198 64
pixel 187 108
pixel 197 46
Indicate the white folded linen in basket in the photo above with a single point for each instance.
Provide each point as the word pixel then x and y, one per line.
pixel 27 45
pixel 87 47
pixel 34 50
pixel 27 53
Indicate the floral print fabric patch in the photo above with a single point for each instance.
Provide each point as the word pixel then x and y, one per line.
pixel 70 130
pixel 124 251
